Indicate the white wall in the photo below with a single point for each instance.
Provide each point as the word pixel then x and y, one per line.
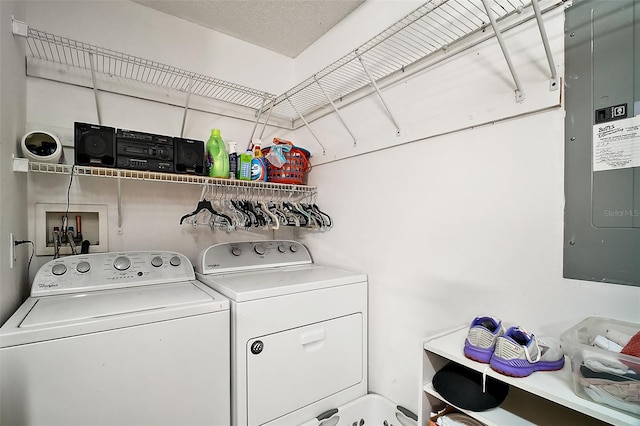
pixel 446 227
pixel 464 224
pixel 13 286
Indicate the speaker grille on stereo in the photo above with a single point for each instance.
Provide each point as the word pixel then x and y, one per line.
pixel 94 145
pixel 189 156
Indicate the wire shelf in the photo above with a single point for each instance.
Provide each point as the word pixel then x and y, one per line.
pixel 232 186
pixel 432 28
pixel 72 53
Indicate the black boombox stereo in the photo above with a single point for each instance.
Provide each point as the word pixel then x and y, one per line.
pixel 127 149
pixel 144 151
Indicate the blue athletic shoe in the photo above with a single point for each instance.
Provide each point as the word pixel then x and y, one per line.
pixel 481 338
pixel 519 353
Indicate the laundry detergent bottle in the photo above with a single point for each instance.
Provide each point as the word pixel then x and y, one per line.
pixel 217 156
pixel 258 163
pixel 233 160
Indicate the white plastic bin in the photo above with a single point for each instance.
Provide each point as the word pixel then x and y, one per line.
pixel 617 376
pixel 370 410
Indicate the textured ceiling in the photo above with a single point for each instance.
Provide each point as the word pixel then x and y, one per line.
pixel 284 26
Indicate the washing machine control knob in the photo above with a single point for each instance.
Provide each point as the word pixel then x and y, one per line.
pixel 293 248
pixel 282 248
pixel 175 261
pixel 58 269
pixel 122 263
pixel 236 251
pixel 260 249
pixel 157 261
pixel 83 267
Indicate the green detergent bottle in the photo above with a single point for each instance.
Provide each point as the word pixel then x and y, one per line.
pixel 217 156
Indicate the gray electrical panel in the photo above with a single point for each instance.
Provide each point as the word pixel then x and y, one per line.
pixel 602 141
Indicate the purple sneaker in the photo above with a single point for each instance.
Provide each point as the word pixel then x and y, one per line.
pixel 519 354
pixel 481 338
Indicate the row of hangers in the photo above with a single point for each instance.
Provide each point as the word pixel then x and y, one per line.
pixel 220 212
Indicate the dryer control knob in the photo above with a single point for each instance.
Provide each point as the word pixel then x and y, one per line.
pixel 236 251
pixel 293 248
pixel 157 261
pixel 282 248
pixel 58 269
pixel 83 267
pixel 260 249
pixel 175 261
pixel 122 263
pixel 257 347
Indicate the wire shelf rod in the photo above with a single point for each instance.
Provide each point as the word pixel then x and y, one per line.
pixel 344 123
pixel 384 104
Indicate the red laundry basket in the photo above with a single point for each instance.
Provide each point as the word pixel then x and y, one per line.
pixel 293 171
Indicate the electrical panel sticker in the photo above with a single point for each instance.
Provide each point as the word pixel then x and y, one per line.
pixel 616 144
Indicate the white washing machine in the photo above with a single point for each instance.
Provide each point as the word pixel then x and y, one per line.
pixel 117 339
pixel 298 330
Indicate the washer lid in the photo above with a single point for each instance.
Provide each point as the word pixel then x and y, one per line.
pixel 252 285
pixel 67 315
pixel 68 308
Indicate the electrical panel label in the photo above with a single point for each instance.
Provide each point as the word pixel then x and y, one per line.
pixel 616 145
pixel 611 113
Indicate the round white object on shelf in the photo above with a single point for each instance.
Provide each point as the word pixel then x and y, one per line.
pixel 41 146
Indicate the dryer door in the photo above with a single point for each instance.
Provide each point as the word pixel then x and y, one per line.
pixel 294 368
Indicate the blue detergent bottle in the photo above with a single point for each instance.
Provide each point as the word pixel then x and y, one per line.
pixel 217 156
pixel 258 163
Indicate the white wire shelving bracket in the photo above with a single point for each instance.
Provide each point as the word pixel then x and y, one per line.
pixel 554 83
pixel 505 52
pixel 409 45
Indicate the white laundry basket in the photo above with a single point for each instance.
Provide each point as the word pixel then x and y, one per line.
pixel 370 410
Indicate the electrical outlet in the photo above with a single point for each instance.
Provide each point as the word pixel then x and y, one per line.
pixel 12 250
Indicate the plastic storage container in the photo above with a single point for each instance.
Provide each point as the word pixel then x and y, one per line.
pixel 600 375
pixel 293 171
pixel 370 410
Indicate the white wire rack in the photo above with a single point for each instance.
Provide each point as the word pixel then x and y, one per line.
pixel 62 50
pixel 227 187
pixel 432 28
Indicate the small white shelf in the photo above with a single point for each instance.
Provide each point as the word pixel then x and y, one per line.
pixel 232 186
pixel 554 386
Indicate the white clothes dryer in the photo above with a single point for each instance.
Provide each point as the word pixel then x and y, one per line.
pixel 117 339
pixel 298 330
